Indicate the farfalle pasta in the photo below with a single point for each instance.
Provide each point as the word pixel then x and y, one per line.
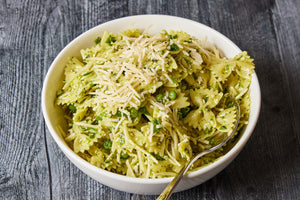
pixel 142 105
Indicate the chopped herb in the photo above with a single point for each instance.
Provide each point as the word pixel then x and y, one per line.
pixel 180 85
pixel 97 40
pixel 175 79
pixel 174 47
pixel 219 89
pixel 95 122
pixel 154 60
pixel 119 114
pixel 159 98
pixel 239 57
pixel 92 135
pixel 82 100
pixel 172 95
pixel 156 122
pixel 184 112
pixel 103 114
pixel 205 98
pixel 72 108
pixel 109 162
pixel 229 104
pixel 157 156
pixel 161 91
pixel 172 36
pixel 191 87
pixel 91 128
pixel 91 83
pixel 98 118
pixel 87 56
pixel 110 40
pixel 88 73
pixel 179 114
pixel 222 127
pixel 206 131
pixel 188 62
pixel 124 155
pixel 107 144
pixel 133 113
pixel 227 68
pixel 60 94
pixel 144 111
pixel 211 141
pixel 194 76
pixel 188 41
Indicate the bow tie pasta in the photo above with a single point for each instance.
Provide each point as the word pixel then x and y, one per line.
pixel 141 105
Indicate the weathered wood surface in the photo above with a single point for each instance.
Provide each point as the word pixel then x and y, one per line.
pixel 33 32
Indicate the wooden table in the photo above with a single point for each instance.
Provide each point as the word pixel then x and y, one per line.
pixel 32 33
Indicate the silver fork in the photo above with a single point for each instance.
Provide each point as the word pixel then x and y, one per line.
pixel 168 191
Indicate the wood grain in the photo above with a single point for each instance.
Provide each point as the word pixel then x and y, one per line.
pixel 33 32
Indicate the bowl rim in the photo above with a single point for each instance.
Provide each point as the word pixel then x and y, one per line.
pixel 72 156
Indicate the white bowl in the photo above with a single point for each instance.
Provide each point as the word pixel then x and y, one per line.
pixel 54 117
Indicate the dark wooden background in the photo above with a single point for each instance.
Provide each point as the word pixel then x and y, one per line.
pixel 32 33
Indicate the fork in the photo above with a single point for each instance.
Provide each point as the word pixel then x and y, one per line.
pixel 168 191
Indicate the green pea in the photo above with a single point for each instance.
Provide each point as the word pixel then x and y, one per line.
pixel 159 98
pixel 107 144
pixel 124 155
pixel 72 108
pixel 133 113
pixel 172 95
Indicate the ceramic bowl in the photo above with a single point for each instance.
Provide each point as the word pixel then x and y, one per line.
pixel 54 116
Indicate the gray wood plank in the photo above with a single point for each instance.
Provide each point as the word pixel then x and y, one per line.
pixel 23 159
pixel 286 20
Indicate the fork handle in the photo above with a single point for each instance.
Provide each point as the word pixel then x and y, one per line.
pixel 168 191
